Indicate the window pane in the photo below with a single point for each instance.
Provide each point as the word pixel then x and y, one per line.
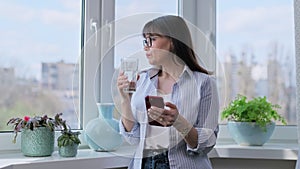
pixel 40 47
pixel 135 13
pixel 255 46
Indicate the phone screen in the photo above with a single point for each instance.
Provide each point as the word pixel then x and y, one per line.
pixel 154 101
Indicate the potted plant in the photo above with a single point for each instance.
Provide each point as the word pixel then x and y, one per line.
pixel 37 134
pixel 68 141
pixel 251 122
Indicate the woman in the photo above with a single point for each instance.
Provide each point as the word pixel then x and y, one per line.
pixel 187 126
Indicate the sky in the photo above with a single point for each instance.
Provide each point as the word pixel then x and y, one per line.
pixel 243 24
pixel 34 31
pixel 257 28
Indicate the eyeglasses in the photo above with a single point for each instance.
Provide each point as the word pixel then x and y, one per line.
pixel 148 41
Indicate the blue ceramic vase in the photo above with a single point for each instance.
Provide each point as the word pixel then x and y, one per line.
pixel 249 133
pixel 102 133
pixel 38 142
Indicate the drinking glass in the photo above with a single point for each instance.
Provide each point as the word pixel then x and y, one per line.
pixel 130 68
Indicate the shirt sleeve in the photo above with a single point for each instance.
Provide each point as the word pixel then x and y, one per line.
pixel 131 137
pixel 207 121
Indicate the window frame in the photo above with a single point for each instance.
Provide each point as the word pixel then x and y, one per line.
pixel 6 137
pixel 93 90
pixel 197 12
pixel 98 14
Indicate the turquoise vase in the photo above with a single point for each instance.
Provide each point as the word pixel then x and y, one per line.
pixel 102 133
pixel 38 142
pixel 250 133
pixel 68 151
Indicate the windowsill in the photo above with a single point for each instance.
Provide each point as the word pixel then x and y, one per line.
pixel 122 156
pixel 115 159
pixel 272 151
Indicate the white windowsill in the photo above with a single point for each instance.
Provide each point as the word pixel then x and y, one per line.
pixel 85 157
pixel 122 156
pixel 272 151
pixel 282 146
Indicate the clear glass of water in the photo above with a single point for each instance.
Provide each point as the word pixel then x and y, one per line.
pixel 130 67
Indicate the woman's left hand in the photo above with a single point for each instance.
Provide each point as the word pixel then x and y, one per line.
pixel 166 116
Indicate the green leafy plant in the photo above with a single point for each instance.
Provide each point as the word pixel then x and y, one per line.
pixel 34 122
pixel 257 110
pixel 67 137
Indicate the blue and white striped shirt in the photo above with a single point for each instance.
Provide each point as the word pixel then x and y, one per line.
pixel 195 95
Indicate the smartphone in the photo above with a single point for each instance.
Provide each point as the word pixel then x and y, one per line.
pixel 156 101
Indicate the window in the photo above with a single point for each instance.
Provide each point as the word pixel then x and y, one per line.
pixel 135 13
pixel 40 49
pixel 255 46
pixel 95 62
pixel 108 39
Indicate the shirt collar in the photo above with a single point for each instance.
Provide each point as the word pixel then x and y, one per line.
pixel 153 71
pixel 187 70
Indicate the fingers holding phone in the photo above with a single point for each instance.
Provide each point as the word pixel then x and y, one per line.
pixel 171 113
pixel 155 106
pixel 162 117
pixel 155 116
pixel 158 113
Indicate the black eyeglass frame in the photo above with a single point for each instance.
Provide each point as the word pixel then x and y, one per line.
pixel 147 42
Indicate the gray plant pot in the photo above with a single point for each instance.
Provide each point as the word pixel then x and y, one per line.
pixel 68 151
pixel 250 134
pixel 38 142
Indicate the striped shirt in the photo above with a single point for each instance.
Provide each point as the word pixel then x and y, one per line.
pixel 196 98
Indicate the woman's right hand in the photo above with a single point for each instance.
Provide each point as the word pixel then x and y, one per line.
pixel 122 82
pixel 127 116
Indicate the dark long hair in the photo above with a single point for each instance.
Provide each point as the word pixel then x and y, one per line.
pixel 176 29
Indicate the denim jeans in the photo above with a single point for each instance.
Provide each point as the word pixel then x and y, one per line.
pixel 159 161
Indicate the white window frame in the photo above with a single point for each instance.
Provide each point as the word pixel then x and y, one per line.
pixel 96 88
pixel 202 13
pixel 98 13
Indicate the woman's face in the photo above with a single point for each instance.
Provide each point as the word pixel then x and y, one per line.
pixel 159 52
